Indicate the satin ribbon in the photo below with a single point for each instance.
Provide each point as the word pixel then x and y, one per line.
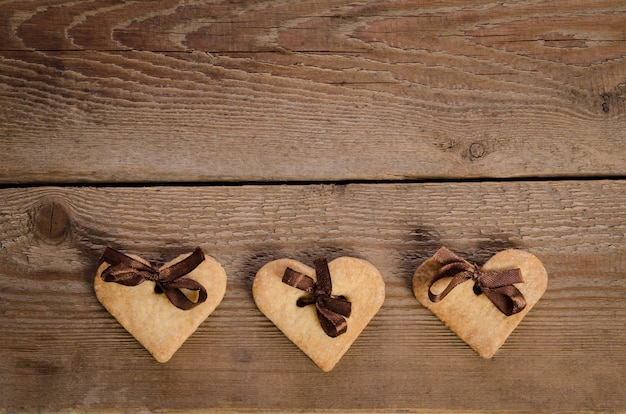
pixel 332 310
pixel 127 271
pixel 497 285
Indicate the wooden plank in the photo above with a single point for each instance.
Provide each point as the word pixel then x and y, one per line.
pixel 63 351
pixel 324 90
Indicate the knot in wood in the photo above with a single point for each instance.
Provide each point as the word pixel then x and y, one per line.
pixel 52 220
pixel 477 150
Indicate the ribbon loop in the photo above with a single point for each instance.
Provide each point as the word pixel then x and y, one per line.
pixel 128 271
pixel 497 286
pixel 298 280
pixel 331 310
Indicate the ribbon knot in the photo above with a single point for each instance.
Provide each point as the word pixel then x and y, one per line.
pixel 497 286
pixel 332 310
pixel 128 271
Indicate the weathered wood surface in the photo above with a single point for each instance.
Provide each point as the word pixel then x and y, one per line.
pixel 186 95
pixel 62 350
pixel 193 91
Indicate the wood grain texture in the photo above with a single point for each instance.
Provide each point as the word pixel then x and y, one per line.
pixel 62 350
pixel 310 90
pixel 202 93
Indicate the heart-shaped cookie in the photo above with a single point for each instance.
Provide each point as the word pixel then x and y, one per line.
pixel 354 280
pixel 150 316
pixel 471 314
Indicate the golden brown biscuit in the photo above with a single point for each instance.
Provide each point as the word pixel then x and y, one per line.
pixel 474 318
pixel 150 317
pixel 355 279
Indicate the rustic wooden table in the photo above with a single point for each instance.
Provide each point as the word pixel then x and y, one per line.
pixel 268 129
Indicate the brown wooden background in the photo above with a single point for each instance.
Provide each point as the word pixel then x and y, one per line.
pixel 268 129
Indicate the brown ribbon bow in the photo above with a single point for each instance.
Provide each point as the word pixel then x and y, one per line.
pixel 332 311
pixel 497 286
pixel 127 271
